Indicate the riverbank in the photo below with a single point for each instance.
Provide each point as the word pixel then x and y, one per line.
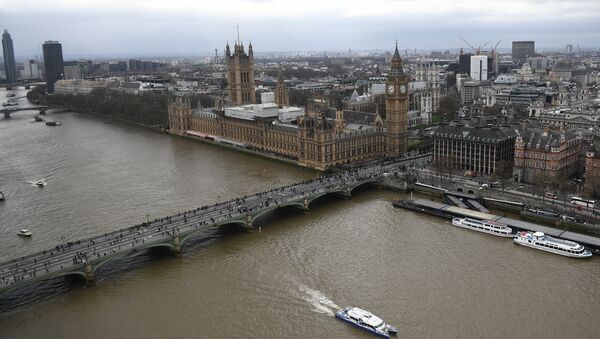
pixel 557 223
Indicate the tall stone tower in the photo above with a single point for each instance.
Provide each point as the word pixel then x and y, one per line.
pixel 396 108
pixel 180 114
pixel 281 94
pixel 240 74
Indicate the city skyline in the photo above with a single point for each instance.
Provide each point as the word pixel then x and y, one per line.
pixel 196 28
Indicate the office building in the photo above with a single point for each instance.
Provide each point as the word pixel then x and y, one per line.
pixel 478 147
pixel 53 63
pixel 9 58
pixel 479 67
pixel 521 50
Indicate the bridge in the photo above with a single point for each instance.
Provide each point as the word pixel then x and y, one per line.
pixel 84 257
pixel 23 82
pixel 8 111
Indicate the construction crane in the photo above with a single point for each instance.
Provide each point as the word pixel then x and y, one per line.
pixel 476 50
pixel 494 49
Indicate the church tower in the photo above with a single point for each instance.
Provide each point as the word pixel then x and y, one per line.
pixel 281 94
pixel 240 74
pixel 396 109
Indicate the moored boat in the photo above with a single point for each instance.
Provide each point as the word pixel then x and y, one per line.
pixel 540 241
pixel 24 233
pixel 367 321
pixel 485 226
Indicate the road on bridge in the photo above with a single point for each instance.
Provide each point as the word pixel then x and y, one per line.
pixel 83 257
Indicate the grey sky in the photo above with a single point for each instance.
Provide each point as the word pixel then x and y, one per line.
pixel 183 27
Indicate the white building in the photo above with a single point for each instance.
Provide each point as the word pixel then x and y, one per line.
pixel 80 86
pixel 479 69
pixel 267 109
pixel 31 69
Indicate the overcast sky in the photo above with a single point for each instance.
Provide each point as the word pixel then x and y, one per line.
pixel 191 27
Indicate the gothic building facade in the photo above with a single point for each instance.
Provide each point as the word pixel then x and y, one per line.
pixel 396 109
pixel 281 94
pixel 312 139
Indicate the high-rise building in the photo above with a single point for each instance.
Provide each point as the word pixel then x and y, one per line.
pixel 521 50
pixel 9 58
pixel 240 74
pixel 464 62
pixel 396 109
pixel 53 63
pixel 479 67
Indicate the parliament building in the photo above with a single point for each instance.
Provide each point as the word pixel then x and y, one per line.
pixel 310 136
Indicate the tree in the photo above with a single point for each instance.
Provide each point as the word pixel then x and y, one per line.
pixel 503 172
pixel 448 108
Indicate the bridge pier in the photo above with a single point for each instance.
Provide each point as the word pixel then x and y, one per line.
pixel 88 271
pixel 305 206
pixel 249 221
pixel 177 246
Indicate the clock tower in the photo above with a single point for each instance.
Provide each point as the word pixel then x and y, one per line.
pixel 396 109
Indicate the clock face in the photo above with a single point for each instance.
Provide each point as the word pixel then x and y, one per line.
pixel 390 89
pixel 402 89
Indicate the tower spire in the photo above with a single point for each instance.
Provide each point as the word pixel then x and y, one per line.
pixel 238 31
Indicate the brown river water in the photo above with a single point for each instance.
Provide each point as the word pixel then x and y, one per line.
pixel 415 271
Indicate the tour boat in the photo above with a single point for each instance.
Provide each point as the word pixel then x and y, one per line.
pixel 485 226
pixel 367 321
pixel 540 241
pixel 24 233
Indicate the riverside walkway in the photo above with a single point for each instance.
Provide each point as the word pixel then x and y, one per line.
pixel 84 257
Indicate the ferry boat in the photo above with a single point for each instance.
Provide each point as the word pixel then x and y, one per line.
pixel 24 233
pixel 367 321
pixel 540 241
pixel 485 226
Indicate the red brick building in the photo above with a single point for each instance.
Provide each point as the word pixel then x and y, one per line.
pixel 546 156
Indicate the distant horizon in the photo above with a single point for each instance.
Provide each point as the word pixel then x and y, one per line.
pixel 195 28
pixel 259 53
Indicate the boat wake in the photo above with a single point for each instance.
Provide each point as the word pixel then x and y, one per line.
pixel 319 301
pixel 38 183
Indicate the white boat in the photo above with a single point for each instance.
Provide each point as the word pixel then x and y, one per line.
pixel 540 241
pixel 367 321
pixel 40 183
pixel 485 226
pixel 24 233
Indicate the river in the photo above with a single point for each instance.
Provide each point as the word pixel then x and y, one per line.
pixel 417 272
